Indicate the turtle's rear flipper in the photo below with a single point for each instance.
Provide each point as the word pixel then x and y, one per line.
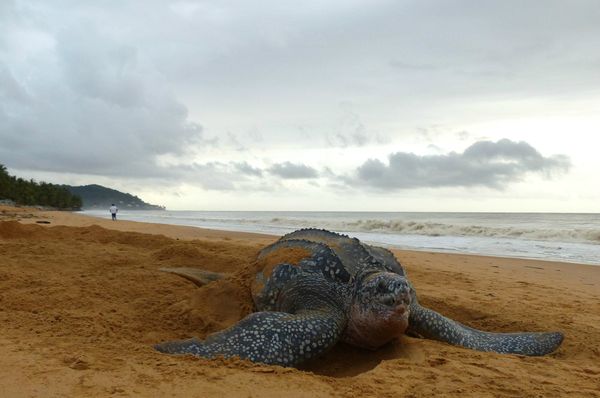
pixel 431 325
pixel 199 276
pixel 275 338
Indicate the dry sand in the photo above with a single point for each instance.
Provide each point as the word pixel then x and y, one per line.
pixel 82 302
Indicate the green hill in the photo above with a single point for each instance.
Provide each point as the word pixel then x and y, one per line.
pixel 98 197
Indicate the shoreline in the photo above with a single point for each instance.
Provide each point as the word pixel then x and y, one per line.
pixel 210 233
pixel 82 301
pixel 402 233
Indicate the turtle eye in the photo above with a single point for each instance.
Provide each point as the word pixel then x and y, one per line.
pixel 382 286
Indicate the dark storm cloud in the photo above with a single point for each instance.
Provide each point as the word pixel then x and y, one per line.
pixel 288 170
pixel 485 163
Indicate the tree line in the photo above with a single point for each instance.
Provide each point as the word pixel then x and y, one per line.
pixel 32 193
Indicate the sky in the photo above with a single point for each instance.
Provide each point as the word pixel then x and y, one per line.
pixel 279 105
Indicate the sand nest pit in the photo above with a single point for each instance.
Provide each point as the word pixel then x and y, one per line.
pixel 81 307
pixel 215 306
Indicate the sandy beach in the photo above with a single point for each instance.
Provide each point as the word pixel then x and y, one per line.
pixel 82 302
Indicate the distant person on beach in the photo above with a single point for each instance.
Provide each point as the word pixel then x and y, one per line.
pixel 113 211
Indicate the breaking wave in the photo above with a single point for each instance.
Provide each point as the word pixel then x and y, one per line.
pixel 548 236
pixel 567 228
pixel 440 229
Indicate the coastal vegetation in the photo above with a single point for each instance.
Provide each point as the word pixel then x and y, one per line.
pixel 16 190
pixel 33 193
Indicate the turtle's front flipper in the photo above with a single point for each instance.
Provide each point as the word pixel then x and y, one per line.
pixel 429 324
pixel 275 338
pixel 199 276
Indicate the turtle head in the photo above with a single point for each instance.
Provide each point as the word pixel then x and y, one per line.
pixel 379 310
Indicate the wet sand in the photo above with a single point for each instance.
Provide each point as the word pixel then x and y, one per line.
pixel 82 302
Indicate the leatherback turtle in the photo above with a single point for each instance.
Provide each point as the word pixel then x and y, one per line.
pixel 314 288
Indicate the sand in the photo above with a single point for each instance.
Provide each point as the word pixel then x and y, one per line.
pixel 82 302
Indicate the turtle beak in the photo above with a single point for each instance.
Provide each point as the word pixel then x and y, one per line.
pixel 402 303
pixel 401 309
pixel 395 295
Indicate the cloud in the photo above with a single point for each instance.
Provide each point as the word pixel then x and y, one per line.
pixel 247 169
pixel 100 91
pixel 290 170
pixel 81 101
pixel 216 176
pixel 352 132
pixel 485 163
pixel 230 176
pixel 212 176
pixel 240 175
pixel 10 88
pixel 463 135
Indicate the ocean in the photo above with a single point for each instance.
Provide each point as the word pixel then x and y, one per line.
pixel 547 236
